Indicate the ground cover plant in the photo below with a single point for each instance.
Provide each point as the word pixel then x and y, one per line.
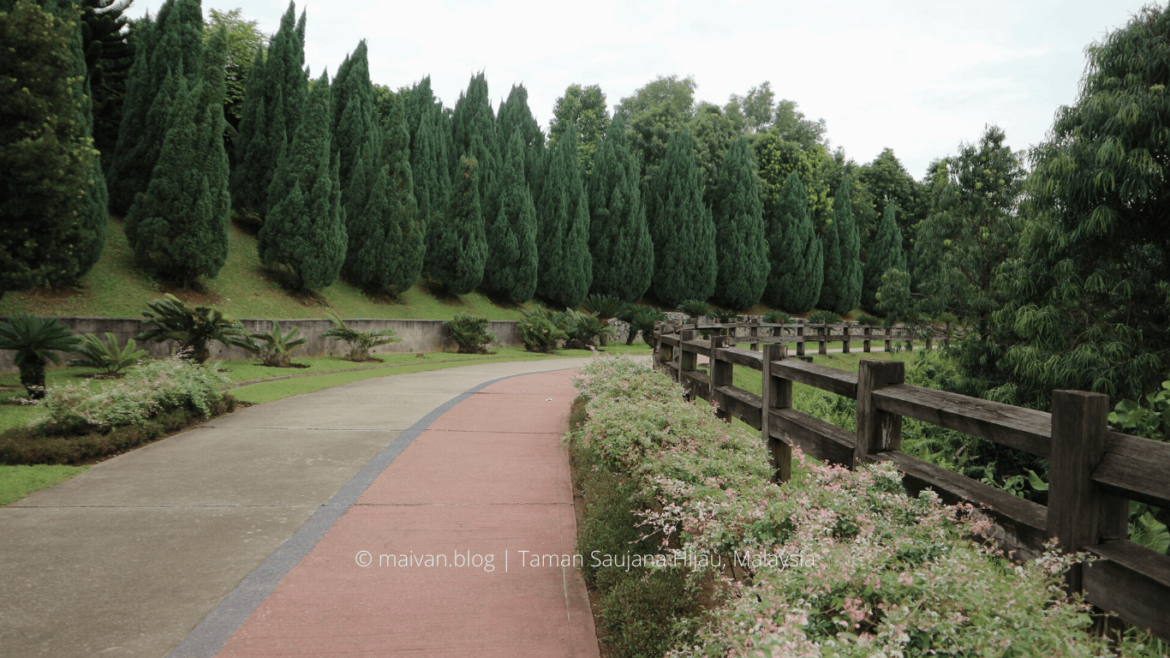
pixel 360 342
pixel 107 358
pixel 833 563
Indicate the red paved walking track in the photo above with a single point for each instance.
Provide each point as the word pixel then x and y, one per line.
pixel 488 477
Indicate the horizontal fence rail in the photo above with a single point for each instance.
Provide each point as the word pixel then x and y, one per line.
pixel 1093 471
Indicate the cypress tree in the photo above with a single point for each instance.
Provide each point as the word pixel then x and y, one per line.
pixel 885 253
pixel 797 259
pixel 566 267
pixel 405 236
pixel 180 224
pixel 834 275
pixel 515 115
pixel 619 238
pixel 849 295
pixel 681 228
pixel 248 178
pixel 354 116
pixel 173 47
pixel 741 248
pixel 473 132
pixel 456 245
pixel 511 235
pixel 305 229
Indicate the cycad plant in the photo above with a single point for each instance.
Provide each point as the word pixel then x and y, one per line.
pixel 35 341
pixel 276 347
pixel 539 333
pixel 694 309
pixel 777 316
pixel 470 333
pixel 194 327
pixel 605 307
pixel 360 342
pixel 107 357
pixel 642 321
pixel 583 328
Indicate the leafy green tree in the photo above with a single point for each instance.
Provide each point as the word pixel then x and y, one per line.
pixel 758 107
pixel 741 247
pixel 35 340
pixel 848 295
pixel 885 254
pixel 305 230
pixel 172 47
pixel 619 236
pixel 585 109
pixel 252 173
pixel 109 53
pixel 179 226
pixel 511 236
pixel 243 40
pixel 776 159
pixel 794 251
pixel 714 133
pixel 861 199
pixel 890 184
pixel 792 126
pixel 681 228
pixel 653 114
pixel 47 229
pixel 457 245
pixel 566 266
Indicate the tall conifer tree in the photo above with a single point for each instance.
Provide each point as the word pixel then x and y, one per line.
pixel 741 247
pixel 834 274
pixel 179 226
pixel 305 229
pixel 456 245
pixel 566 267
pixel 884 254
pixel 355 123
pixel 681 228
pixel 511 235
pixel 473 132
pixel 843 275
pixel 797 259
pixel 619 238
pixel 252 170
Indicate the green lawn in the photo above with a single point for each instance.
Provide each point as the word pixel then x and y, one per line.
pixel 16 482
pixel 243 289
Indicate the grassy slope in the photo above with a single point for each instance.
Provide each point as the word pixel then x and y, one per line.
pixel 116 288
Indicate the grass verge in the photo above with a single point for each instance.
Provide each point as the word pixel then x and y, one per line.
pixel 16 482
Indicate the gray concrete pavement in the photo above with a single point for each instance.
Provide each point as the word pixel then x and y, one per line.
pixel 129 557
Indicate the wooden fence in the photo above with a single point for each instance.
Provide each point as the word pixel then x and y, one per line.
pixel 1093 471
pixel 848 334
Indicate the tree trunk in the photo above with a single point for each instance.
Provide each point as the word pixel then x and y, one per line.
pixel 32 377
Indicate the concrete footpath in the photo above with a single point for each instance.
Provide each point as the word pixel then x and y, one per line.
pixel 244 536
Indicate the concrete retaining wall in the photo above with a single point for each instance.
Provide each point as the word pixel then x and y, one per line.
pixel 416 336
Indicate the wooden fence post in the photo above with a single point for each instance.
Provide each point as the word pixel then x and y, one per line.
pixel 909 338
pixel 868 331
pixel 823 333
pixel 1079 513
pixel 754 332
pixel 687 361
pixel 845 339
pixel 889 334
pixel 721 375
pixel 800 340
pixel 777 395
pixel 877 430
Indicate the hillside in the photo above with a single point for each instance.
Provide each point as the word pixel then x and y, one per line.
pixel 117 288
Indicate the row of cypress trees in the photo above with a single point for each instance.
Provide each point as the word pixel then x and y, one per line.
pixel 384 187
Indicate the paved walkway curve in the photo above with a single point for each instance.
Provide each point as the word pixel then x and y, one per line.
pixel 259 516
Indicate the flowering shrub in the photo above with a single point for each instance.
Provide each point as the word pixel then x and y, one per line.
pixel 148 390
pixel 833 563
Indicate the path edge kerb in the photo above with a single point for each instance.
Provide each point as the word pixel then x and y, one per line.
pixel 209 637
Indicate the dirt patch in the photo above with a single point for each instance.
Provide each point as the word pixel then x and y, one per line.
pixel 197 293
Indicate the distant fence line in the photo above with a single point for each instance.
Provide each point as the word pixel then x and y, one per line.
pixel 1093 471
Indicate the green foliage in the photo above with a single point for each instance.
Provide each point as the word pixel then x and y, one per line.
pixel 512 259
pixel 869 320
pixel 473 134
pixel 823 317
pixel 1150 421
pixel 35 341
pixel 428 154
pixel 791 125
pixel 456 244
pixel 891 186
pixel 304 231
pixel 642 321
pixel 583 328
pixel 795 253
pixel 694 308
pixel 52 189
pixel 179 226
pixel 681 228
pixel 842 256
pixel 777 316
pixel 538 333
pixel 470 333
pixel 834 282
pixel 741 247
pixel 605 307
pixel 724 316
pixel 777 159
pixel 194 327
pixel 360 342
pixel 109 53
pixel 244 39
pixel 653 114
pixel 884 254
pixel 355 126
pixel 714 133
pixel 566 266
pixel 584 108
pixel 107 357
pixel 276 347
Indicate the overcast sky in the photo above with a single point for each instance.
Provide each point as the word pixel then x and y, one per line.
pixel 918 77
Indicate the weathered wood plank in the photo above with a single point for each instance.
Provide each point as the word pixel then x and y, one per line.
pixel 818 439
pixel 877 430
pixel 777 394
pixel 1136 468
pixel 1023 521
pixel 1024 429
pixel 722 372
pixel 697 347
pixel 836 381
pixel 669 339
pixel 1132 581
pixel 741 404
pixel 742 357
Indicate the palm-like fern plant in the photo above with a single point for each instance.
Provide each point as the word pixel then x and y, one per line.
pixel 360 342
pixel 35 341
pixel 107 357
pixel 695 309
pixel 605 308
pixel 276 347
pixel 194 327
pixel 470 333
pixel 642 322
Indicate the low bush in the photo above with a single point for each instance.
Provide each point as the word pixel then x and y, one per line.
pixel 470 333
pixel 585 331
pixel 833 563
pixel 107 358
pixel 360 342
pixel 777 317
pixel 538 333
pixel 823 317
pixel 276 347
